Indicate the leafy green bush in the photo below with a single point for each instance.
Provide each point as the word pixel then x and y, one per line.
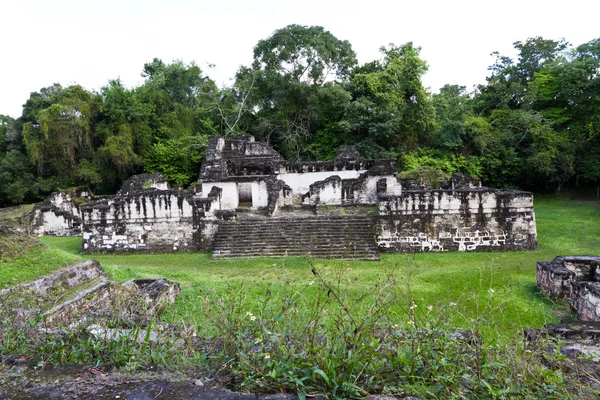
pixel 177 160
pixel 446 162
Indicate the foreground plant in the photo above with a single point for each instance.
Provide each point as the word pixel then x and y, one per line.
pixel 324 338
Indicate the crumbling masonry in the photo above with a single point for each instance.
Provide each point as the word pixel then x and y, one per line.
pixel 347 207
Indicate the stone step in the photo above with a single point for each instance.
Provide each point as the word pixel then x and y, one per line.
pixel 298 247
pixel 347 237
pixel 295 236
pixel 280 254
pixel 293 226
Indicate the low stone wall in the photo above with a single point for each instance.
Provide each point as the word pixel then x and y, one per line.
pixel 363 190
pixel 457 220
pixel 576 278
pixel 555 278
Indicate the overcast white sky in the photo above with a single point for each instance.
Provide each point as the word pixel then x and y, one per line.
pixel 90 42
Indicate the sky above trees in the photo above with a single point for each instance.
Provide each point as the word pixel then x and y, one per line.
pixel 90 43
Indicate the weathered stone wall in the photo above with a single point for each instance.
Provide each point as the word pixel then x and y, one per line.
pixel 230 199
pixel 362 190
pixel 576 278
pixel 585 300
pixel 59 214
pixel 301 183
pixel 461 220
pixel 555 278
pixel 151 220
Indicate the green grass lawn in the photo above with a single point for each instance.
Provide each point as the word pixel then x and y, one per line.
pixel 493 291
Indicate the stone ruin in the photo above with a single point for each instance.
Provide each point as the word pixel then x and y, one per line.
pixel 82 297
pixel 250 202
pixel 576 279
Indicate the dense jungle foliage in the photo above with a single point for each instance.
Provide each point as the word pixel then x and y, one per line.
pixel 535 123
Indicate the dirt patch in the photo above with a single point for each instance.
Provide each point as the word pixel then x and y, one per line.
pixel 25 382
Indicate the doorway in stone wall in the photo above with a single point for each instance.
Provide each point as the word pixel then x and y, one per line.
pixel 245 194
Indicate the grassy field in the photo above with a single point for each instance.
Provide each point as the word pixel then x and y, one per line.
pixel 493 292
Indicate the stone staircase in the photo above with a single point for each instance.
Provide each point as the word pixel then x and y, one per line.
pixel 347 237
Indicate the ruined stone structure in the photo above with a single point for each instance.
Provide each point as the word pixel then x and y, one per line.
pixel 59 214
pixel 576 279
pixel 254 203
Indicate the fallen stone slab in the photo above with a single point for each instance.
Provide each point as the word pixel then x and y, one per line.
pixel 75 302
pixel 65 279
pixel 155 290
pixel 581 338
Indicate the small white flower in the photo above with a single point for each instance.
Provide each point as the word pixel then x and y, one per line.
pixel 257 340
pixel 430 308
pixel 248 313
pixel 311 283
pixel 411 322
pixel 453 304
pixel 413 306
pixel 491 290
pixel 267 356
pixel 395 326
pixel 252 318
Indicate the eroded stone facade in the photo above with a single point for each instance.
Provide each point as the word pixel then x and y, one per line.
pixel 467 219
pixel 242 176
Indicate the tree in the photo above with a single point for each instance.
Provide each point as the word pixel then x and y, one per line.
pixel 17 181
pixel 507 86
pixel 568 93
pixel 452 108
pixel 391 110
pixel 296 76
pixel 307 54
pixel 4 120
pixel 60 133
pixel 183 112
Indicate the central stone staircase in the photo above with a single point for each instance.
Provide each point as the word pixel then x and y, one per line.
pixel 347 237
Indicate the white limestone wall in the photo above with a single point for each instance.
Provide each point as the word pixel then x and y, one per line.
pixel 260 196
pixel 229 195
pixel 368 194
pixel 61 218
pixel 51 223
pixel 300 182
pixel 448 202
pixel 64 202
pixel 330 194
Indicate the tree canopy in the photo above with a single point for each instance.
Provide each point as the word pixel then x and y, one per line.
pixel 534 124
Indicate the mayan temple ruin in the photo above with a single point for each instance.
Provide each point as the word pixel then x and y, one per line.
pixel 250 202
